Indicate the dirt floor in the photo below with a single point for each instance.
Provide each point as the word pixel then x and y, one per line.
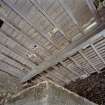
pixel 93 87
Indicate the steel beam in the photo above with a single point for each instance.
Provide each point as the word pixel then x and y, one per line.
pixel 66 79
pixel 13 27
pixel 21 32
pixel 5 71
pixel 16 42
pixel 94 48
pixel 27 69
pixel 37 5
pixel 43 34
pixel 2 47
pixel 55 76
pixel 11 70
pixel 78 65
pixel 88 61
pixel 67 52
pixel 70 14
pixel 73 72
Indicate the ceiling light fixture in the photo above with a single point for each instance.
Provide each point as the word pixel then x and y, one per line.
pixel 91 26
